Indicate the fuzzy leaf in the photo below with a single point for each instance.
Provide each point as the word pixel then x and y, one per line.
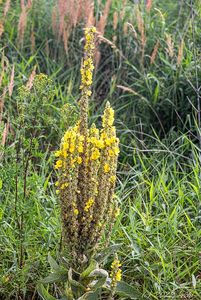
pixel 74 282
pixel 44 293
pixel 60 276
pixel 90 296
pixel 98 283
pixel 92 266
pixel 125 290
pixel 99 273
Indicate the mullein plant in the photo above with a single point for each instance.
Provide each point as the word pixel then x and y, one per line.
pixel 86 165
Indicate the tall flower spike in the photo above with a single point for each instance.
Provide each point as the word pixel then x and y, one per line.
pixel 86 165
pixel 116 274
pixel 87 76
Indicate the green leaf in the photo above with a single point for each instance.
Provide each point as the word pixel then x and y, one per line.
pixel 90 296
pixel 44 293
pixel 1 184
pixel 126 290
pixel 53 264
pixel 92 266
pixel 74 282
pixel 98 283
pixel 99 273
pixel 60 276
pixel 1 214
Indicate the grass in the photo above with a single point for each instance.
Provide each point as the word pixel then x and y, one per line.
pixel 157 118
pixel 159 225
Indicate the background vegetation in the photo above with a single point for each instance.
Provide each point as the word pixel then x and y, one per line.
pixel 149 68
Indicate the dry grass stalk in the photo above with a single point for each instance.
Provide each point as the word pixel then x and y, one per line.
pixel 170 45
pixel 65 38
pixel 115 23
pixel 125 28
pixel 90 20
pixel 4 137
pixel 6 7
pixel 115 20
pixel 54 20
pixel 103 20
pixel 1 28
pixel 133 30
pixel 31 78
pixel 62 7
pixel 122 13
pixel 154 53
pixel 101 28
pixel 33 41
pixel 148 5
pixel 127 89
pixel 2 104
pixel 23 20
pixel 29 4
pixel 5 134
pixel 11 83
pixel 141 29
pixel 2 68
pixel 180 53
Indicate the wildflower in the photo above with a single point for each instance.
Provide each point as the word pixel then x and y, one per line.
pixel 58 153
pixel 95 154
pixel 113 179
pixel 117 212
pixel 76 211
pixel 87 170
pixel 58 164
pixel 89 204
pixel 79 160
pixel 116 273
pixel 106 168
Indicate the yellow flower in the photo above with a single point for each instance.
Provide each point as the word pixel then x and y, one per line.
pixel 58 153
pixel 117 212
pixel 79 160
pixel 88 93
pixel 119 275
pixel 106 168
pixel 116 272
pixel 89 204
pixel 111 153
pixel 58 164
pixel 116 150
pixel 72 148
pixel 76 211
pixel 95 154
pixel 108 117
pixel 62 186
pixel 113 179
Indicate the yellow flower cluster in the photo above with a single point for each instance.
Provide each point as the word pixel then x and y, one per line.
pixel 116 273
pixel 86 165
pixel 89 204
pixel 87 65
